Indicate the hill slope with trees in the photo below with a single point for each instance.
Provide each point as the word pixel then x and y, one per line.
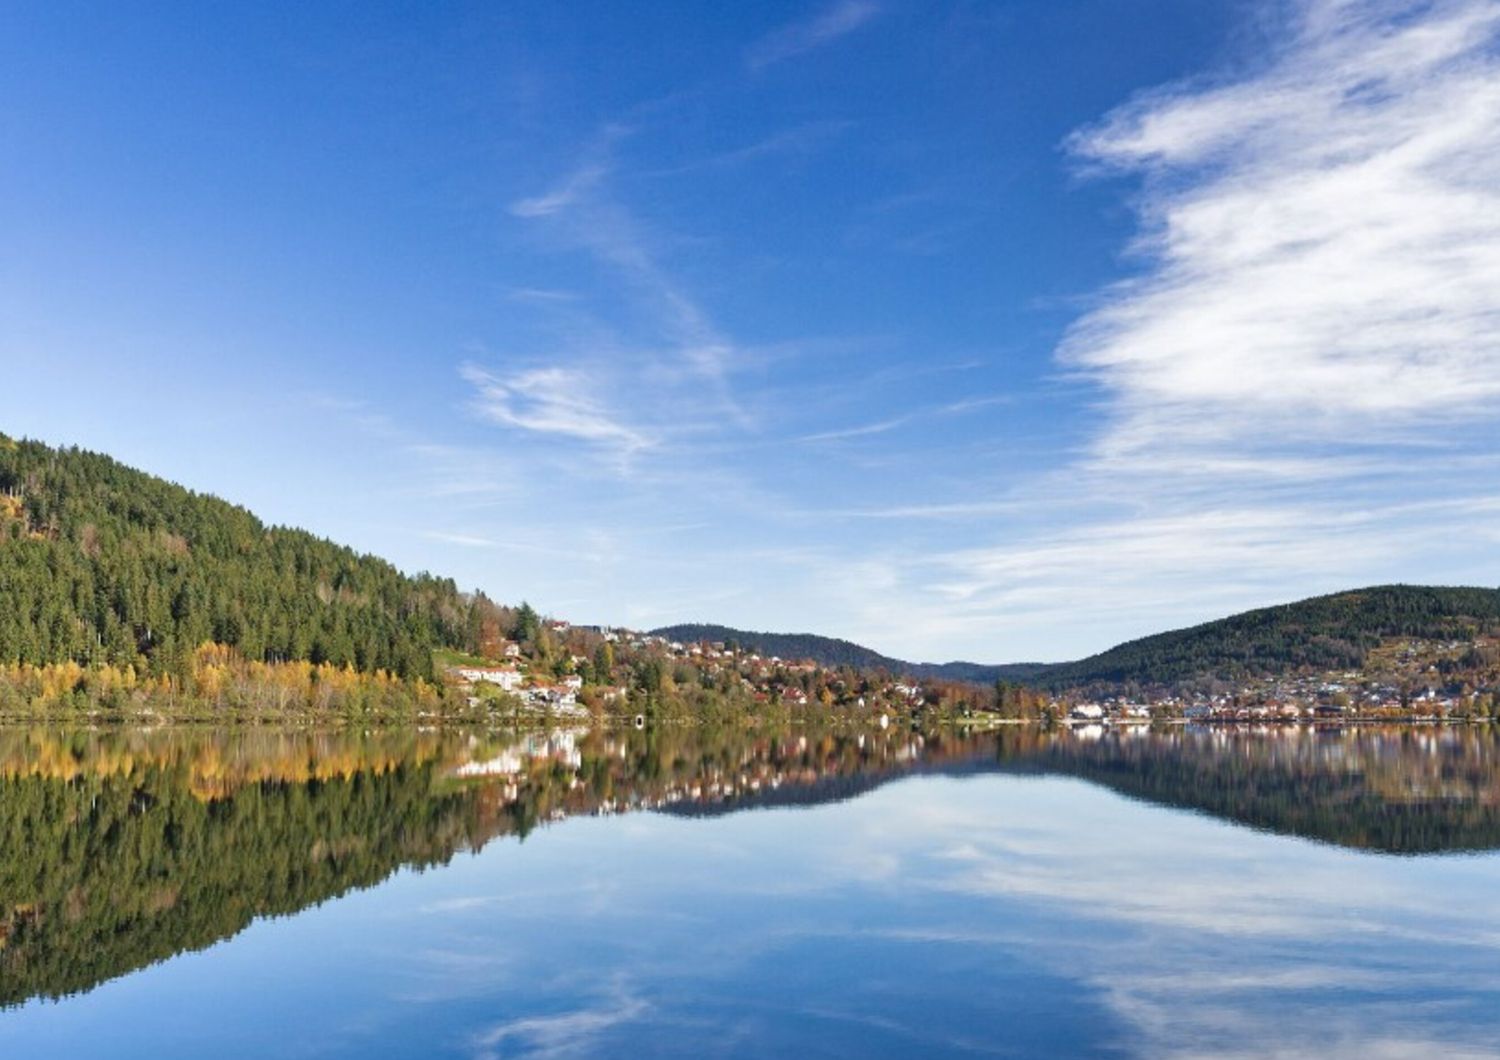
pixel 1322 633
pixel 833 652
pixel 103 565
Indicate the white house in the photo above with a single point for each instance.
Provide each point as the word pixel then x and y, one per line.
pixel 508 678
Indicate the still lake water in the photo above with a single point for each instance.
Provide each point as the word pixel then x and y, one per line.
pixel 690 893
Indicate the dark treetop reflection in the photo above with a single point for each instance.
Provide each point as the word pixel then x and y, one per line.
pixel 935 915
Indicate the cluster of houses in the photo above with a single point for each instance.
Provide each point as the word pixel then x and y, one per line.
pixel 559 697
pixel 772 679
pixel 1327 697
pixel 766 679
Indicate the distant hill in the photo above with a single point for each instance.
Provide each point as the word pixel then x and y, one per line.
pixel 101 564
pixel 833 652
pixel 1322 633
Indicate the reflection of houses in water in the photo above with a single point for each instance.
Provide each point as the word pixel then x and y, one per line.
pixel 507 763
pixel 558 745
pixel 579 771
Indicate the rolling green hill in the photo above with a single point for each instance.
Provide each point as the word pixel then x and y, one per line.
pixel 830 651
pixel 1322 633
pixel 102 564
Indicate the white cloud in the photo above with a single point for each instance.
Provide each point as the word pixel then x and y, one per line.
pixel 541 294
pixel 553 400
pixel 567 194
pixel 797 139
pixel 796 38
pixel 595 221
pixel 861 431
pixel 921 415
pixel 466 540
pixel 684 348
pixel 1321 238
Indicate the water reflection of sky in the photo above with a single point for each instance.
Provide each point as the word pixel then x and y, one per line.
pixel 993 915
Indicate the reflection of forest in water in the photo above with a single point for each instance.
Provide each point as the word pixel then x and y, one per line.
pixel 119 848
pixel 1390 788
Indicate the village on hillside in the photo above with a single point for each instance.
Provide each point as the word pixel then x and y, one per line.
pixel 1404 678
pixel 548 667
pixel 565 671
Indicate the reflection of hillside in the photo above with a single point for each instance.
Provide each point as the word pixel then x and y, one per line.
pixel 121 848
pixel 104 873
pixel 683 775
pixel 1395 789
pixel 761 785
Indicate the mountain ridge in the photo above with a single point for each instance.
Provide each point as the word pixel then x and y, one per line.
pixel 835 652
pixel 1324 632
pixel 1331 631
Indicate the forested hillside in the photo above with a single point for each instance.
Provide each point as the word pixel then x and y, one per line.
pixel 827 651
pixel 102 564
pixel 1323 633
pixel 832 652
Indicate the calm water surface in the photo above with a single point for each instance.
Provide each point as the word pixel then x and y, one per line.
pixel 688 893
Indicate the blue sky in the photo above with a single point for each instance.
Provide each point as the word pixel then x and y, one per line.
pixel 997 331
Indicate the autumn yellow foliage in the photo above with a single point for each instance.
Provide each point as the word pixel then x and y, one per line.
pixel 219 681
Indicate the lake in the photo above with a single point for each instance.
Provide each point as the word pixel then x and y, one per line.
pixel 693 892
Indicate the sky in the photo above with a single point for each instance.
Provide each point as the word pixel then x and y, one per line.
pixel 1000 331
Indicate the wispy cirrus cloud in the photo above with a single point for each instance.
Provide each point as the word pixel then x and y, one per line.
pixel 465 540
pixel 797 139
pixel 797 38
pixel 682 348
pixel 588 216
pixel 618 392
pixel 553 400
pixel 922 415
pixel 1235 551
pixel 1320 238
pixel 541 294
pixel 572 190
